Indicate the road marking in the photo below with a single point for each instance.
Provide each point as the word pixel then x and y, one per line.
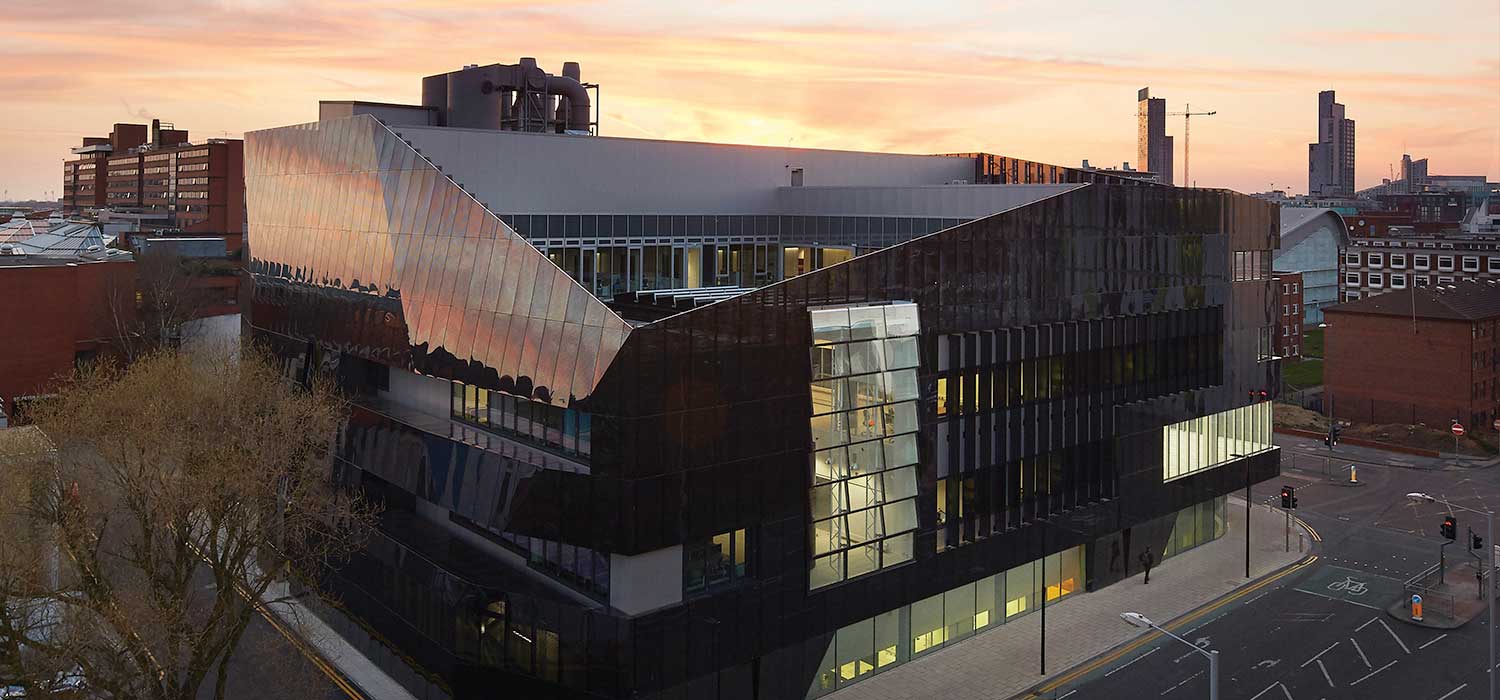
pixel 1451 692
pixel 1315 658
pixel 1361 628
pixel 1393 634
pixel 1378 670
pixel 1268 689
pixel 1094 665
pixel 1341 600
pixel 1180 683
pixel 1324 669
pixel 1362 656
pixel 1122 667
pixel 1434 641
pixel 1065 695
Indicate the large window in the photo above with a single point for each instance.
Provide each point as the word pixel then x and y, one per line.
pixel 564 429
pixel 720 560
pixel 864 423
pixel 1204 443
pixel 873 645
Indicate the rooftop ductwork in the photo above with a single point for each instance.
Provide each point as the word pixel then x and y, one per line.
pixel 520 97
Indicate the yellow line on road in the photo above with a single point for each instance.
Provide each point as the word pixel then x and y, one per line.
pixel 312 654
pixel 301 645
pixel 1114 656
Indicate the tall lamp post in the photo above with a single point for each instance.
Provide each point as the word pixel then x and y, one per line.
pixel 1135 619
pixel 1489 602
pixel 1247 513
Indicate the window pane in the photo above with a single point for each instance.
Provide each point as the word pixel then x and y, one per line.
pixel 866 323
pixel 830 326
pixel 855 650
pixel 901 353
pixel 900 483
pixel 901 516
pixel 901 320
pixel 888 638
pixel 864 457
pixel 958 612
pixel 830 464
pixel 865 357
pixel 863 560
pixel 926 624
pixel 898 548
pixel 829 395
pixel 902 385
pixel 985 610
pixel 826 570
pixel 901 450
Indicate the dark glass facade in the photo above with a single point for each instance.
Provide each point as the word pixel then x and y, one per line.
pixel 1054 345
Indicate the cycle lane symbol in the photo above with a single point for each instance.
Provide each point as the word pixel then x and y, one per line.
pixel 1349 586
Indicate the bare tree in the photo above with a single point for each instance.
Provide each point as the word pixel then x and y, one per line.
pixel 156 313
pixel 181 491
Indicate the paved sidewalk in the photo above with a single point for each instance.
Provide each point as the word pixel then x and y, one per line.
pixel 368 678
pixel 1003 662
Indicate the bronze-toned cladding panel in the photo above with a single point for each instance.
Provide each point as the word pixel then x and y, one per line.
pixel 347 205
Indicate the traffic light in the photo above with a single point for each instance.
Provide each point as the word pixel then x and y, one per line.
pixel 1449 528
pixel 1288 501
pixel 1477 543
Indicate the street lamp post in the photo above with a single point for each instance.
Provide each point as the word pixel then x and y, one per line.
pixel 1247 513
pixel 1489 602
pixel 1136 619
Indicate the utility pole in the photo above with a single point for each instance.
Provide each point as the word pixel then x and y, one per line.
pixel 1187 115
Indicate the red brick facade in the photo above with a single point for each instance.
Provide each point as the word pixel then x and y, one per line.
pixel 1289 313
pixel 1390 369
pixel 201 187
pixel 52 313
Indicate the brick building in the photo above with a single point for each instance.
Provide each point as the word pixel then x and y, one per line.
pixel 1426 355
pixel 56 311
pixel 157 173
pixel 1289 313
pixel 1374 266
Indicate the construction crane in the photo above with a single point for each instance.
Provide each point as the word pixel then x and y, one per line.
pixel 1187 115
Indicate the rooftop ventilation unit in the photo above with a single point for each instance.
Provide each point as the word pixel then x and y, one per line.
pixel 519 97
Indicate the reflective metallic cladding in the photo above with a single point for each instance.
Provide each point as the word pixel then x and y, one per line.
pixel 346 210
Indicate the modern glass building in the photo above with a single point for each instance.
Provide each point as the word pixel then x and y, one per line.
pixel 675 420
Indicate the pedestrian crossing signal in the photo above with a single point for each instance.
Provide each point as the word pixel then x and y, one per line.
pixel 1449 528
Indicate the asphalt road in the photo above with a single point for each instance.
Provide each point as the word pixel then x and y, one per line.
pixel 1321 632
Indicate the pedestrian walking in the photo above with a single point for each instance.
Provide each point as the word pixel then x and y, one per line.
pixel 1146 561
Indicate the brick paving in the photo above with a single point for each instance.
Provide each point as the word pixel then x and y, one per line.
pixel 1003 662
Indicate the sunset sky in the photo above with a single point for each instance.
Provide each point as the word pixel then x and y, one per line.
pixel 1049 81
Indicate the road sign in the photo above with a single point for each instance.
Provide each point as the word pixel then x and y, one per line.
pixel 1416 607
pixel 1458 429
pixel 1497 424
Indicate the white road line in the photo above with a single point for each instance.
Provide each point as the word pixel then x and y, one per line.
pixel 1434 641
pixel 1341 600
pixel 1324 669
pixel 1181 683
pixel 1065 695
pixel 1121 667
pixel 1315 657
pixel 1451 692
pixel 1362 656
pixel 1378 670
pixel 1393 634
pixel 1267 690
pixel 1372 621
pixel 1286 692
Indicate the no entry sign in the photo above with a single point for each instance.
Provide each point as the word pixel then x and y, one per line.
pixel 1458 429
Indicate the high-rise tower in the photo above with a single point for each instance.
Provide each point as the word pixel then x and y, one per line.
pixel 1330 161
pixel 1153 145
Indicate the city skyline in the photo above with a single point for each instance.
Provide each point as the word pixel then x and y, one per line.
pixel 964 77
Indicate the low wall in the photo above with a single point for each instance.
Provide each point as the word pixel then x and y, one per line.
pixel 1389 447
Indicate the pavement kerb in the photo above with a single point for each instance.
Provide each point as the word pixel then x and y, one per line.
pixel 1041 690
